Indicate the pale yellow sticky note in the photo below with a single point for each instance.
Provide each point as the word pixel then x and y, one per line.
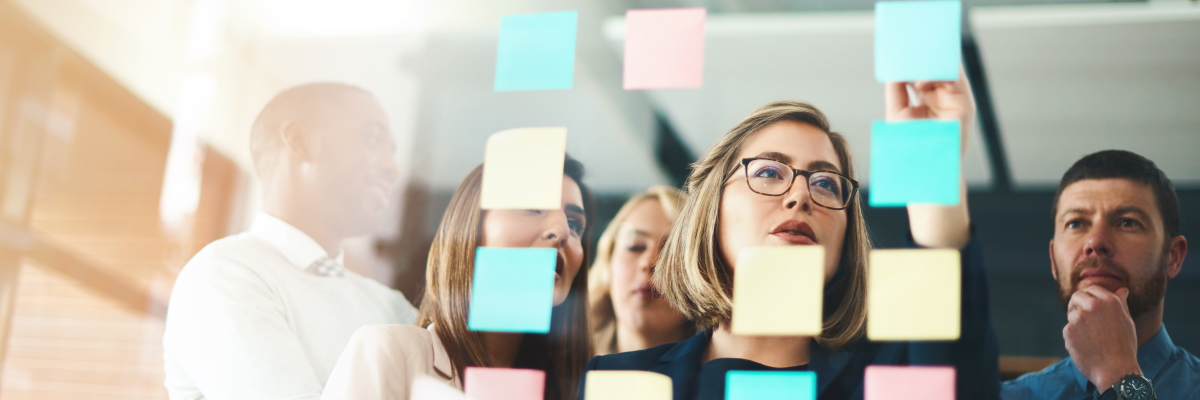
pixel 523 169
pixel 777 291
pixel 627 385
pixel 914 295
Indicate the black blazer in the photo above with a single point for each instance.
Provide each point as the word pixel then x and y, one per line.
pixel 975 355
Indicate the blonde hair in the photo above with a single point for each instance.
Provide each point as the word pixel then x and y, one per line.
pixel 562 354
pixel 601 313
pixel 696 279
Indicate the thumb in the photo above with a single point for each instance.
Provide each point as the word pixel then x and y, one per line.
pixel 1124 293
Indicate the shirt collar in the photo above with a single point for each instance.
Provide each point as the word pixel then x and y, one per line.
pixel 295 245
pixel 1150 356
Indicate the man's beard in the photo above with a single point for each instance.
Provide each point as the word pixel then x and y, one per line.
pixel 1143 295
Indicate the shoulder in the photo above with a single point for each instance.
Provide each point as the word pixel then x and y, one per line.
pixel 1052 379
pixel 632 360
pixel 386 295
pixel 230 257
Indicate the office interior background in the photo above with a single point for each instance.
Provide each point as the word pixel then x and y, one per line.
pixel 124 127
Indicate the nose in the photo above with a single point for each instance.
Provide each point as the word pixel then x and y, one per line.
pixel 1098 243
pixel 648 259
pixel 556 230
pixel 797 196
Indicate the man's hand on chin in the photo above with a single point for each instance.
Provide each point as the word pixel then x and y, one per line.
pixel 1100 335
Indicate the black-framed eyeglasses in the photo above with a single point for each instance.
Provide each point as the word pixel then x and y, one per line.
pixel 773 178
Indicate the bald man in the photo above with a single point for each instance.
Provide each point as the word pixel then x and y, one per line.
pixel 265 314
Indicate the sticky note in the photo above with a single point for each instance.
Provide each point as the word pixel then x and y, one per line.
pixel 536 51
pixel 504 383
pixel 917 40
pixel 908 383
pixel 770 385
pixel 777 290
pixel 664 48
pixel 523 169
pixel 915 162
pixel 627 385
pixel 914 294
pixel 512 290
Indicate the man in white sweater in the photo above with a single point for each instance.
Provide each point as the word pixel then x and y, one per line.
pixel 265 314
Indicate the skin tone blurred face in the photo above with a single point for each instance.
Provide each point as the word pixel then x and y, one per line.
pixel 749 219
pixel 636 302
pixel 1109 233
pixel 352 161
pixel 560 229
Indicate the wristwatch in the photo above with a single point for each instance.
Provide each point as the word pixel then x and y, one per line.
pixel 1130 387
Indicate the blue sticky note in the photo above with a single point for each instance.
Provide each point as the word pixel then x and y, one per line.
pixel 513 289
pixel 770 385
pixel 915 162
pixel 917 40
pixel 536 51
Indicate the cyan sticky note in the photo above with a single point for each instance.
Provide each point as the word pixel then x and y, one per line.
pixel 536 51
pixel 915 162
pixel 513 290
pixel 770 385
pixel 885 382
pixel 917 40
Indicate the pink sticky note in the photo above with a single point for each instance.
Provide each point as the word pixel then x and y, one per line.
pixel 664 48
pixel 909 383
pixel 504 383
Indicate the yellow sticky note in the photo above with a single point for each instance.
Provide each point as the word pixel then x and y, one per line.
pixel 777 291
pixel 627 385
pixel 914 295
pixel 523 169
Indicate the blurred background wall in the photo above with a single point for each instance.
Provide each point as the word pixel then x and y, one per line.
pixel 124 126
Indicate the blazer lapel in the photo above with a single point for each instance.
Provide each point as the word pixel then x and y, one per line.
pixel 682 363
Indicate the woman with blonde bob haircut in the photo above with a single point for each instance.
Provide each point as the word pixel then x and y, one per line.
pixel 627 311
pixel 382 361
pixel 782 177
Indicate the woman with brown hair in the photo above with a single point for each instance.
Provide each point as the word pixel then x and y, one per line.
pixel 382 361
pixel 782 177
pixel 627 312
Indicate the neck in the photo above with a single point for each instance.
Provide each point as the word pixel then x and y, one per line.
pixel 1148 324
pixel 306 221
pixel 631 338
pixel 772 351
pixel 503 347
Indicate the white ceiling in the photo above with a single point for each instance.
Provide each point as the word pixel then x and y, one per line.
pixel 1071 80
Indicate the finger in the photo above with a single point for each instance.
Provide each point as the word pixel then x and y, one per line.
pixel 1081 300
pixel 1123 294
pixel 896 96
pixel 926 86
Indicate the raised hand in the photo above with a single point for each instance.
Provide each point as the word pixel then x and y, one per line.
pixel 941 100
pixel 1100 335
pixel 936 225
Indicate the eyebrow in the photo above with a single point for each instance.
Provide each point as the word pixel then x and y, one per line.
pixel 1132 210
pixel 821 165
pixel 575 209
pixel 777 156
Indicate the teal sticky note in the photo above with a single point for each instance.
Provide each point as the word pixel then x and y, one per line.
pixel 917 40
pixel 512 290
pixel 915 162
pixel 536 51
pixel 770 385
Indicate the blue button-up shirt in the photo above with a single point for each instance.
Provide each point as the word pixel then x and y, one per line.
pixel 1174 372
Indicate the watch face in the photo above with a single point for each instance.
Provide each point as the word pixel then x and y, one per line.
pixel 1135 389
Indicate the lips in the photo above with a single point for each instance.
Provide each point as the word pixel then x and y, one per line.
pixel 795 232
pixel 647 292
pixel 1099 273
pixel 559 266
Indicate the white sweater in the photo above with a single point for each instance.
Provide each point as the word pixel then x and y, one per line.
pixel 247 321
